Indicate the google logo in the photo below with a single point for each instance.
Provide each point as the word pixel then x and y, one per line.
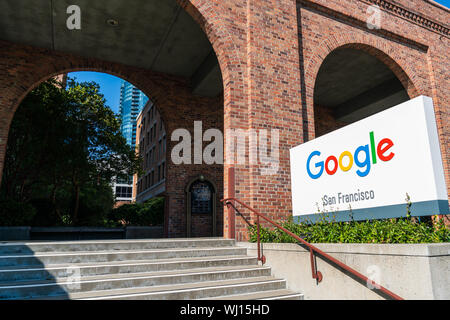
pixel 332 163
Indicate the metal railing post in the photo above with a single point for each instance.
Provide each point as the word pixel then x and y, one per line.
pixel 231 194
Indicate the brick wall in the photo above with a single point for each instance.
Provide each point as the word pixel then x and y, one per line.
pixel 269 52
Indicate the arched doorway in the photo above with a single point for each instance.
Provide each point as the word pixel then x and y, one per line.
pixel 201 207
pixel 353 84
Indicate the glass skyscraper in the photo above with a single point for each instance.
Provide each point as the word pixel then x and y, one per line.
pixel 132 101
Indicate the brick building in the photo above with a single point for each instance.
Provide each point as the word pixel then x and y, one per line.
pixel 304 67
pixel 151 145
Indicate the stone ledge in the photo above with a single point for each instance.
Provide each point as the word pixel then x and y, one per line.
pixel 412 271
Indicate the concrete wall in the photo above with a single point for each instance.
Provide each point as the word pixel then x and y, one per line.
pixel 144 232
pixel 14 233
pixel 412 271
pixel 79 233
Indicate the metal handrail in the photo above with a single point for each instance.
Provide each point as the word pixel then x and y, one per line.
pixel 317 275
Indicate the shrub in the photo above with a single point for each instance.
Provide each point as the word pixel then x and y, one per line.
pixel 95 204
pixel 45 213
pixel 14 213
pixel 400 230
pixel 150 213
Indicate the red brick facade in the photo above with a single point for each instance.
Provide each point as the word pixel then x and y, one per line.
pixel 151 146
pixel 269 52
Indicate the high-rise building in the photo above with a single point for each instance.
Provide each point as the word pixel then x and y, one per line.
pixel 132 101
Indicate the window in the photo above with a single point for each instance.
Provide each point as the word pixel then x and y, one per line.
pixel 164 144
pixel 201 197
pixel 163 170
pixel 159 173
pixel 153 155
pixel 124 192
pixel 153 178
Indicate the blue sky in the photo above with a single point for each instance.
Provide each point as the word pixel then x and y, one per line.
pixel 109 86
pixel 444 2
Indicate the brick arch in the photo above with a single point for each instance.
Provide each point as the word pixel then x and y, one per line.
pixel 36 65
pixel 33 65
pixel 379 48
pixel 212 18
pixel 147 90
pixel 45 67
pixel 205 13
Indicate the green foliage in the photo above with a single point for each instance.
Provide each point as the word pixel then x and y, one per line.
pixel 149 213
pixel 400 230
pixel 46 214
pixel 64 148
pixel 96 202
pixel 15 213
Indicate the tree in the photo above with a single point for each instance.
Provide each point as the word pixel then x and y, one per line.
pixel 63 140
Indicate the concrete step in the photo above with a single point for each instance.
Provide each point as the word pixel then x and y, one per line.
pixel 20 273
pixel 63 286
pixel 13 248
pixel 50 258
pixel 282 294
pixel 187 291
pixel 201 268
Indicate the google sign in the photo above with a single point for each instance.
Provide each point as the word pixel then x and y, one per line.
pixel 366 168
pixel 383 146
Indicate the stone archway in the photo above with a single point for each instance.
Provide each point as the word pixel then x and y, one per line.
pixel 354 83
pixel 32 65
pixel 368 45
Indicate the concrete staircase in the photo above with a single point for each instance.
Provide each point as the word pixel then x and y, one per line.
pixel 172 269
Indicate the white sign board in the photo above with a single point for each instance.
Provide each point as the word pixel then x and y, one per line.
pixel 366 168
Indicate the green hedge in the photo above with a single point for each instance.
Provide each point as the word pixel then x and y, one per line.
pixel 150 213
pixel 401 230
pixel 15 213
